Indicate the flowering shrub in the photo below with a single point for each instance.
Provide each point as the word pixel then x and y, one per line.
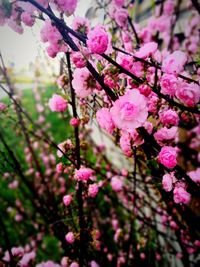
pixel 138 87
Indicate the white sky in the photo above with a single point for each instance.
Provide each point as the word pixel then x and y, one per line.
pixel 23 49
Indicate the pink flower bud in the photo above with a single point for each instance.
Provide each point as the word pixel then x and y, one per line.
pixel 2 106
pixel 59 167
pixel 181 195
pixel 116 183
pixel 79 60
pixel 93 190
pixel 167 182
pixel 98 40
pixel 69 238
pixel 74 122
pixel 67 200
pixel 167 156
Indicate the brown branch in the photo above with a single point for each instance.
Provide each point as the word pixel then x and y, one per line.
pixel 83 240
pixel 196 5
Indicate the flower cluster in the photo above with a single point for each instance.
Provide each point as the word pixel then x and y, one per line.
pixel 83 174
pixel 50 34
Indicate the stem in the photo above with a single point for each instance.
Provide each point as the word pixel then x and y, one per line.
pixel 196 5
pixel 134 207
pixel 83 245
pixel 177 13
pixel 5 233
pixel 43 135
pixel 134 31
pixel 153 64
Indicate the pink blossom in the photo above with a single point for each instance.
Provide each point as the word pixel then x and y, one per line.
pixel 148 126
pixel 117 234
pixel 153 103
pixel 40 108
pixel 129 139
pixel 64 146
pixel 142 255
pixel 174 63
pixel 94 264
pixel 169 7
pixel 67 6
pixel 16 252
pixel 64 261
pixel 81 25
pixel 129 64
pixel 116 183
pixel 195 175
pixel 150 74
pixel 83 82
pixel 158 257
pixel 110 82
pixel 147 50
pixel 118 3
pixel 173 225
pixel 121 17
pixel 161 24
pixel 15 26
pixel 169 117
pixel 78 59
pixel 105 120
pixel 13 185
pixel 145 89
pixel 52 50
pixel 167 156
pixel 48 264
pixel 97 40
pixel 197 243
pixel 2 106
pixel 50 34
pixel 74 122
pixel 57 103
pixel 69 237
pixel 169 84
pixel 167 182
pixel 130 110
pixel 67 199
pixel 24 262
pixel 83 174
pixel 41 119
pixel 166 134
pixel 188 93
pixel 62 81
pixel 93 190
pixel 125 61
pixel 18 217
pixel 125 144
pixel 27 7
pixel 59 167
pixel 74 264
pixel 181 195
pixel 145 34
pixel 137 69
pixel 27 19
